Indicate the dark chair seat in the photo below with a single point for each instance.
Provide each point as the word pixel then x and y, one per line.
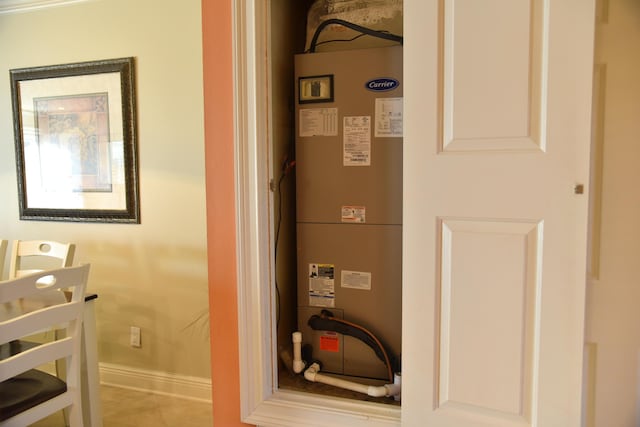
pixel 27 390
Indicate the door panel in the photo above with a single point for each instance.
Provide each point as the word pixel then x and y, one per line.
pixel 488 310
pixel 500 60
pixel 496 138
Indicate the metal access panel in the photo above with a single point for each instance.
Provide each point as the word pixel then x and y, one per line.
pixel 339 159
pixel 349 202
pixel 355 272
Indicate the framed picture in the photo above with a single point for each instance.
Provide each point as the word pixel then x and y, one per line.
pixel 75 139
pixel 315 89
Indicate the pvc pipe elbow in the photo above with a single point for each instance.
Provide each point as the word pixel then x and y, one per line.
pixel 298 366
pixel 376 391
pixel 392 389
pixel 397 380
pixel 310 373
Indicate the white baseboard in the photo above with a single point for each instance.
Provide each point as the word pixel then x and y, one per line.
pixel 193 388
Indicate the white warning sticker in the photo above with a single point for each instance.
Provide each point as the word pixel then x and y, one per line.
pixel 356 280
pixel 318 122
pixel 353 214
pixel 322 285
pixel 388 117
pixel 356 138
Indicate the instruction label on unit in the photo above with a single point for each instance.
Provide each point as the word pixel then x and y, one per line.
pixel 353 214
pixel 330 342
pixel 318 122
pixel 322 285
pixel 356 134
pixel 388 117
pixel 356 280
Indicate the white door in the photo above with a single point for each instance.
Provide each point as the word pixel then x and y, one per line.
pixel 613 318
pixel 497 122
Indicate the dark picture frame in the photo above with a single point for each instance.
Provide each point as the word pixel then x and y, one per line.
pixel 76 141
pixel 315 89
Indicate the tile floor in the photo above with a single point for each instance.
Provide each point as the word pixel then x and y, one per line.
pixel 129 408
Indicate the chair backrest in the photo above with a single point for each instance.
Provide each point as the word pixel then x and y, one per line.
pixel 30 256
pixel 3 252
pixel 18 322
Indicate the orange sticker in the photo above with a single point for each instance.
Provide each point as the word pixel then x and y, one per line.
pixel 330 343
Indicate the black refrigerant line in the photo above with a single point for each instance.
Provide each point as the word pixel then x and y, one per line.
pixel 326 322
pixel 355 27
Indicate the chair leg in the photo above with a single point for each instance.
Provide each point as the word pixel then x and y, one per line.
pixel 67 418
pixel 61 372
pixel 74 414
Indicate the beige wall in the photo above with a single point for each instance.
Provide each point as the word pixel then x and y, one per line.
pixel 153 275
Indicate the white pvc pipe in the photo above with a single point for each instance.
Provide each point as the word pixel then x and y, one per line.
pixel 397 381
pixel 313 374
pixel 298 363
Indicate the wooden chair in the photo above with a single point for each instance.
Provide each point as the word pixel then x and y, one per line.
pixel 30 256
pixel 3 252
pixel 28 394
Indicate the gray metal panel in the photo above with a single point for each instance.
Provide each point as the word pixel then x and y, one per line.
pixel 378 187
pixel 323 184
pixel 374 249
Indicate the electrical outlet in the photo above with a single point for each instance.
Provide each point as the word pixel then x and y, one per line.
pixel 134 337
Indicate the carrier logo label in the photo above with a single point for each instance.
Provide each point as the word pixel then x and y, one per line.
pixel 382 84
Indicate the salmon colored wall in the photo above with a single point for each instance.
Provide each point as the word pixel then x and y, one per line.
pixel 221 238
